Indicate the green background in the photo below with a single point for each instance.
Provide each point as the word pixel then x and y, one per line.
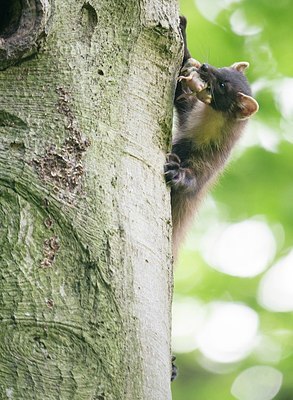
pixel 257 186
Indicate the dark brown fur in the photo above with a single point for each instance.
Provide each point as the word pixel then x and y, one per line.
pixel 204 135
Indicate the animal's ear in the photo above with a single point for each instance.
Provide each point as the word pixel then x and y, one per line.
pixel 240 66
pixel 247 106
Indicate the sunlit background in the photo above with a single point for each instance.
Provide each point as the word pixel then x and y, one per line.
pixel 232 313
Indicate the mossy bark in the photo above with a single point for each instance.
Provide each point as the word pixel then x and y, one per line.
pixel 85 265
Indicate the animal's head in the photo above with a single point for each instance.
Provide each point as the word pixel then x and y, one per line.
pixel 228 90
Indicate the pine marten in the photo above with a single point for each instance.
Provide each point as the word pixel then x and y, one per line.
pixel 212 108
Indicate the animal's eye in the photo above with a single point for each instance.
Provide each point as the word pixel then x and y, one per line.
pixel 222 85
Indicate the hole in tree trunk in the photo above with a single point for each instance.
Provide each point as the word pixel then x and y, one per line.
pixel 22 24
pixel 10 13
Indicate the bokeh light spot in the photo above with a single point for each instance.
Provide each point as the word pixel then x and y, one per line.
pixel 187 319
pixel 257 383
pixel 243 249
pixel 240 25
pixel 275 289
pixel 229 332
pixel 210 9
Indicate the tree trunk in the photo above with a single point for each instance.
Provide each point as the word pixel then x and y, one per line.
pixel 86 92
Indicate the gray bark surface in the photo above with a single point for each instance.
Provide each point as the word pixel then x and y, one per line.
pixel 85 261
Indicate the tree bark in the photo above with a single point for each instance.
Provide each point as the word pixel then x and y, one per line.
pixel 86 93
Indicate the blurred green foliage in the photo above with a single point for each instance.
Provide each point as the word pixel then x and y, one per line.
pixel 257 184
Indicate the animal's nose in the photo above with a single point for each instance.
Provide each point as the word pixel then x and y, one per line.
pixel 204 67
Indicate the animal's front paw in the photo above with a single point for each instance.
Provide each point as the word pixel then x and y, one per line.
pixel 177 176
pixel 171 168
pixel 190 78
pixel 190 65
